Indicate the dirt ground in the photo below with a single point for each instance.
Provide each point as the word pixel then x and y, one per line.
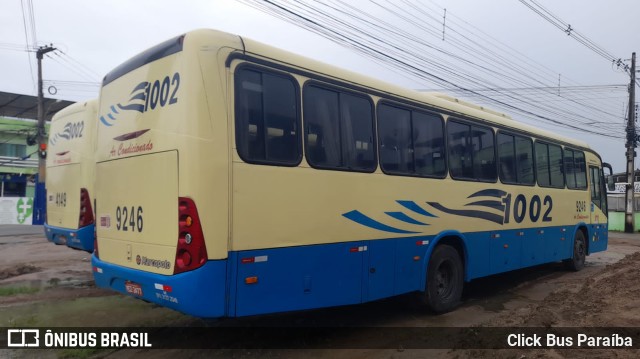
pixel 45 285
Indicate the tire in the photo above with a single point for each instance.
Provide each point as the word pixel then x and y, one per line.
pixel 444 280
pixel 576 262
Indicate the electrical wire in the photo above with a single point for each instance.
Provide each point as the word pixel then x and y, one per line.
pixel 395 55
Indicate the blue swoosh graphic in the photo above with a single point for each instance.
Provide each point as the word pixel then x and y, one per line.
pixel 469 213
pixel 133 107
pixel 360 218
pixel 490 204
pixel 415 208
pixel 489 193
pixel 140 86
pixel 139 96
pixel 104 121
pixel 404 218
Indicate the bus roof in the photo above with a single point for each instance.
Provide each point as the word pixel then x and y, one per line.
pixel 443 103
pixel 73 108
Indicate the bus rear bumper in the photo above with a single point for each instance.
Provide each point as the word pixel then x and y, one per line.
pixel 75 238
pixel 200 292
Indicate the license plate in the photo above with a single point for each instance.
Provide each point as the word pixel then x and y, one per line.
pixel 133 288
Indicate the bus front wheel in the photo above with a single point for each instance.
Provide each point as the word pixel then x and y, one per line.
pixel 444 280
pixel 576 263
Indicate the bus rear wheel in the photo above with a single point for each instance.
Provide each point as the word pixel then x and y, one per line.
pixel 444 280
pixel 576 263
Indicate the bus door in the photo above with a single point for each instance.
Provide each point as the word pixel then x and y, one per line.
pixel 598 210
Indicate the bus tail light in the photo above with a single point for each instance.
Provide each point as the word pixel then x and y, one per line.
pixel 86 212
pixel 191 252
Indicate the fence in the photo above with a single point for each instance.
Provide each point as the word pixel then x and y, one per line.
pixel 616 202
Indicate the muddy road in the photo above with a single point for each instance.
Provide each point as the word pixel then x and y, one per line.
pixel 45 285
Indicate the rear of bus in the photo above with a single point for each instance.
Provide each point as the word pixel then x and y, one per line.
pixel 70 175
pixel 162 168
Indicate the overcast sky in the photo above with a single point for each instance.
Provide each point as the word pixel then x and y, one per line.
pixel 96 36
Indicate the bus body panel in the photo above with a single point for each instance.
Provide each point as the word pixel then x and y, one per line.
pixel 337 206
pixel 200 292
pixel 164 107
pixel 323 275
pixel 138 211
pixel 63 191
pixel 298 278
pixel 70 167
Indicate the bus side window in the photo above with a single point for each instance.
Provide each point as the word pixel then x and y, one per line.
pixel 556 166
pixel 428 144
pixel 507 158
pixel 524 163
pixel 596 186
pixel 339 129
pixel 471 152
pixel 575 169
pixel 267 117
pixel 459 150
pixel 581 170
pixel 394 127
pixel 549 165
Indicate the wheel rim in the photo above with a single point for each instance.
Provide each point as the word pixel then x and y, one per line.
pixel 444 279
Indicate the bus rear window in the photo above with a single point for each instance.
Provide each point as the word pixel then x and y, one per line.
pixel 267 117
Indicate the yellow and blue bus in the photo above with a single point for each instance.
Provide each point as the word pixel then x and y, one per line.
pixel 70 176
pixel 234 179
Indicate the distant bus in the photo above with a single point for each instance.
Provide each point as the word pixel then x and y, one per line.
pixel 70 176
pixel 617 183
pixel 235 179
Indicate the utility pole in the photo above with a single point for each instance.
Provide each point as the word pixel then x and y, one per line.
pixel 631 146
pixel 42 139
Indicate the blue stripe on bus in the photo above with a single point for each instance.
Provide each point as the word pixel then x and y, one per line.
pixel 81 238
pixel 200 292
pixel 323 275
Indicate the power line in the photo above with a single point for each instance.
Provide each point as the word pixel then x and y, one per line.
pixel 83 67
pixel 498 71
pixel 28 40
pixel 566 28
pixel 537 69
pixel 63 61
pixel 318 20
